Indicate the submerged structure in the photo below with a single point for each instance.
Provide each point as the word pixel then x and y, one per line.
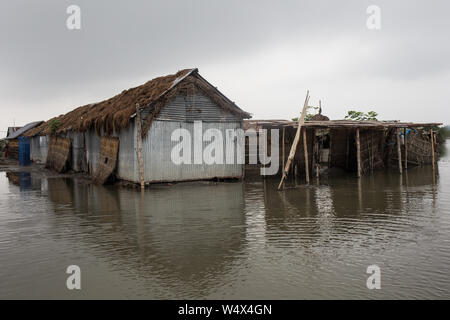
pixel 129 135
pixel 354 146
pixel 14 133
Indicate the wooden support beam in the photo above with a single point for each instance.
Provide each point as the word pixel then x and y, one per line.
pixel 283 147
pixel 301 121
pixel 406 148
pixel 348 150
pixel 316 160
pixel 399 151
pixel 305 147
pixel 432 150
pixel 139 138
pixel 371 152
pixel 358 152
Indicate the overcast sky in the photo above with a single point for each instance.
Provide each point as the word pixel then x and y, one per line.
pixel 263 55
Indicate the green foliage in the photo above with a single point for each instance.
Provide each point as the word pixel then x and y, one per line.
pixel 54 125
pixel 444 132
pixel 308 114
pixel 361 116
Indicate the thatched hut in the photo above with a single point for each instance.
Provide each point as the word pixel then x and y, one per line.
pixel 13 137
pixel 104 136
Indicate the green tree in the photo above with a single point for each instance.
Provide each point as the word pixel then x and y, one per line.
pixel 361 116
pixel 54 125
pixel 308 114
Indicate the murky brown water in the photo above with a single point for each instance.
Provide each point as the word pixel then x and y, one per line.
pixel 231 240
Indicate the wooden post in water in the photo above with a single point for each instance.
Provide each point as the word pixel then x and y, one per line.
pixel 283 147
pixel 348 149
pixel 399 151
pixel 358 152
pixel 305 147
pixel 139 138
pixel 432 150
pixel 301 121
pixel 406 148
pixel 316 154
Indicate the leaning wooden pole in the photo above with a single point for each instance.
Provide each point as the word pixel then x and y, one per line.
pixel 301 121
pixel 283 146
pixel 405 135
pixel 432 150
pixel 139 140
pixel 305 147
pixel 358 152
pixel 399 151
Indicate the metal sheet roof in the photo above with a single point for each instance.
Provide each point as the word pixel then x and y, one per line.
pixel 24 129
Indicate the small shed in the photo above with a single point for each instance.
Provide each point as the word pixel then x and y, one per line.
pixel 14 134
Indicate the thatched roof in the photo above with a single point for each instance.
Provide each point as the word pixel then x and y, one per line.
pixel 319 117
pixel 115 113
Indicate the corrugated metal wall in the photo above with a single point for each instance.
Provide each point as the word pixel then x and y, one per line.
pixel 92 140
pixel 127 166
pixel 39 148
pixel 194 107
pixel 78 155
pixel 157 148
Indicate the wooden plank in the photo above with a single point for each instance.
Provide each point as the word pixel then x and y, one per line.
pixel 432 150
pixel 399 151
pixel 305 147
pixel 406 148
pixel 139 138
pixel 301 121
pixel 283 148
pixel 358 152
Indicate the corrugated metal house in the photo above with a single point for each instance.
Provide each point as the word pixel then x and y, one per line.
pixel 166 104
pixel 14 133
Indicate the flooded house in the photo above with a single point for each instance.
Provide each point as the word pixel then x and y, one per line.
pixel 129 136
pixel 358 147
pixel 14 133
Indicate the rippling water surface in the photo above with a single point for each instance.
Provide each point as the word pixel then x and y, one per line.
pixel 228 240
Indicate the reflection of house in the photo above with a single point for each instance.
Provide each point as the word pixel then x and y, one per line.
pixel 87 137
pixel 164 231
pixel 14 133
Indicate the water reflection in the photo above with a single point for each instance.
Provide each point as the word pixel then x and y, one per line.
pixel 232 240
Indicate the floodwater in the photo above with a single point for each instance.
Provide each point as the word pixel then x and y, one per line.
pixel 228 240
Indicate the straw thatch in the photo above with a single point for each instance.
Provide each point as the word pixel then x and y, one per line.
pixel 115 113
pixel 319 117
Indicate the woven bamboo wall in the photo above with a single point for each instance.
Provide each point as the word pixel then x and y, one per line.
pixel 107 163
pixel 59 154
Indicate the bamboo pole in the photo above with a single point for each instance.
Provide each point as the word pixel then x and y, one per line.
pixel 406 148
pixel 305 147
pixel 301 121
pixel 399 151
pixel 348 149
pixel 283 148
pixel 139 138
pixel 358 151
pixel 432 150
pixel 316 155
pixel 371 152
